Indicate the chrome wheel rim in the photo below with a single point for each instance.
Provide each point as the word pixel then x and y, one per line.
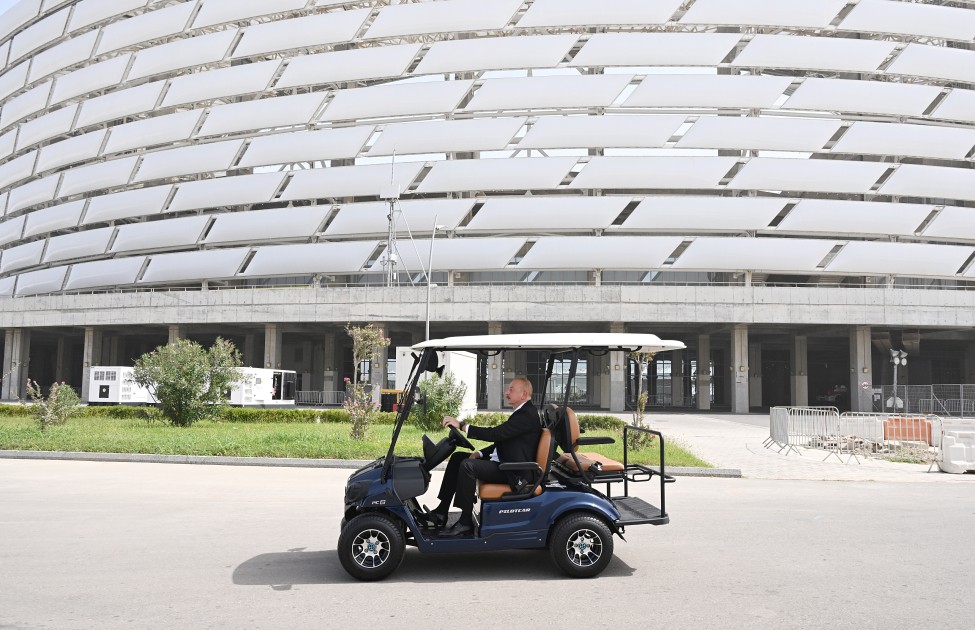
pixel 584 548
pixel 370 548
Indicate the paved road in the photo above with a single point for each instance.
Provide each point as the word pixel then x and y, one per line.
pixel 131 545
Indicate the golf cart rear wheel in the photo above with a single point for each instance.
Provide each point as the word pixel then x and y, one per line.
pixel 581 545
pixel 371 547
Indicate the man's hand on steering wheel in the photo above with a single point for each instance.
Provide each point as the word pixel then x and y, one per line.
pixel 456 434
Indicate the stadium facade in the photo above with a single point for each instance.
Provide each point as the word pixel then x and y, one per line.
pixel 787 187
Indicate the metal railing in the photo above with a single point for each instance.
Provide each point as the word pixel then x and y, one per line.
pixel 955 400
pixel 320 398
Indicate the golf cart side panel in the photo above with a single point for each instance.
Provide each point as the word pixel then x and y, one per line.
pixel 538 514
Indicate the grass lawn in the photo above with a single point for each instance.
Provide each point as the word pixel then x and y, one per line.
pixel 324 441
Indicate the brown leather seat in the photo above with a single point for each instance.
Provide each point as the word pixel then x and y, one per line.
pixel 586 460
pixel 489 491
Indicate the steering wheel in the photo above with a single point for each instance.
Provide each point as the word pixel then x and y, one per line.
pixel 459 438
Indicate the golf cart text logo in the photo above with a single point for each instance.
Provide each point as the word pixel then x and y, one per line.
pixel 514 511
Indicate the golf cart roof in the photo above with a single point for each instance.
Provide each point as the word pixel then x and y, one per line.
pixel 630 342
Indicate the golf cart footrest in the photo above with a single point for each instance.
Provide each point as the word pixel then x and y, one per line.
pixel 636 511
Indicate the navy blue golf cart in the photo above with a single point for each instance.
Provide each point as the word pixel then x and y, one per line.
pixel 561 509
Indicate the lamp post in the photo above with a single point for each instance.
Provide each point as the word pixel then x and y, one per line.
pixel 433 236
pixel 897 357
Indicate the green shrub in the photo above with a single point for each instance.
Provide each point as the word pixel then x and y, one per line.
pixel 444 396
pixel 54 409
pixel 592 422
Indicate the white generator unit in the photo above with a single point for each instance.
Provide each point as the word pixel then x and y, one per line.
pixel 463 365
pixel 113 385
pixel 265 388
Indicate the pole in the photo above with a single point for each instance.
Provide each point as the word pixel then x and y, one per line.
pixel 433 236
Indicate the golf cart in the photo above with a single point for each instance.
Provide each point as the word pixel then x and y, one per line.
pixel 560 508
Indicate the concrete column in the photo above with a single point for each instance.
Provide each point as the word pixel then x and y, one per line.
pixel 16 368
pixel 754 375
pixel 861 369
pixel 800 369
pixel 677 377
pixel 113 350
pixel 617 374
pixel 59 359
pixel 91 356
pixel 739 369
pixel 250 353
pixel 330 363
pixel 272 346
pixel 377 370
pixel 8 360
pixel 704 372
pixel 495 378
pixel 176 332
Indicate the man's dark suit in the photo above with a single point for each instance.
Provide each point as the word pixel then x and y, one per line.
pixel 515 440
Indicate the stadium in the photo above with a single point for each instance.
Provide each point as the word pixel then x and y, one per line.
pixel 786 187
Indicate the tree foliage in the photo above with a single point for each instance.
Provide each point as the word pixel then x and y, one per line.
pixel 191 383
pixel 55 408
pixel 440 396
pixel 368 344
pixel 638 439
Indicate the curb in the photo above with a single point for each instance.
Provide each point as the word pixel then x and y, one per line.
pixel 278 462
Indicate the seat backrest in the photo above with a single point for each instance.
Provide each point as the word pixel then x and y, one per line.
pixel 572 422
pixel 543 454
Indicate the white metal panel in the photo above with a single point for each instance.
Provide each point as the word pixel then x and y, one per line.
pixel 7 286
pixel 596 13
pixel 267 113
pixel 220 11
pixel 118 104
pixel 46 126
pixel 148 26
pixel 13 79
pixel 90 78
pixel 127 204
pixel 958 105
pixel 71 150
pixel 43 281
pixel 639 131
pixel 703 213
pixel 305 32
pixel 953 223
pixel 152 131
pixel 496 53
pixel 953 64
pixel 763 133
pixel 416 217
pixel 546 214
pixel 11 229
pixel 160 234
pixel 95 176
pixel 655 49
pixel 909 259
pixel 306 146
pixel 348 65
pixel 265 225
pixel 350 181
pixel 483 134
pixel 63 55
pixel 500 174
pixel 443 17
pixel 653 172
pixel 54 218
pixel 33 193
pixel 4 54
pixel 458 254
pixel 837 216
pixel 105 273
pixel 89 12
pixel 875 16
pixel 17 168
pixel 549 91
pixel 226 191
pixel 911 140
pixel 599 252
pixel 754 254
pixel 399 99
pixel 202 158
pixel 346 257
pixel 815 53
pixel 233 81
pixel 862 96
pixel 33 100
pixel 78 245
pixel 764 13
pixel 18 15
pixel 22 256
pixel 215 263
pixel 3 203
pixel 808 175
pixel 936 182
pixel 182 53
pixel 703 90
pixel 41 32
pixel 7 142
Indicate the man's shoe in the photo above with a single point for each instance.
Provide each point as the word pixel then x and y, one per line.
pixel 433 520
pixel 458 529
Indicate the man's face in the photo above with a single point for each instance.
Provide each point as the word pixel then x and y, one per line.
pixel 516 394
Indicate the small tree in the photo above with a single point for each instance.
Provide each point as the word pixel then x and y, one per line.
pixel 55 408
pixel 638 439
pixel 190 382
pixel 368 344
pixel 441 396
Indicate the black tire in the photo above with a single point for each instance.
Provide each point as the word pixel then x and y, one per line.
pixel 581 545
pixel 370 547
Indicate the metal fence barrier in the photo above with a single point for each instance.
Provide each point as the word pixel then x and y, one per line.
pixel 956 400
pixel 320 398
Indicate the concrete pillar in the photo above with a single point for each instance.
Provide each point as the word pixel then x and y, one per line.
pixel 739 369
pixel 861 369
pixel 677 377
pixel 272 346
pixel 250 354
pixel 16 364
pixel 90 356
pixel 800 369
pixel 495 378
pixel 59 360
pixel 8 360
pixel 617 373
pixel 330 363
pixel 704 372
pixel 377 369
pixel 754 375
pixel 113 350
pixel 176 331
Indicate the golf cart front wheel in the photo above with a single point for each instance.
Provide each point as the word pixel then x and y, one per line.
pixel 581 545
pixel 371 547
